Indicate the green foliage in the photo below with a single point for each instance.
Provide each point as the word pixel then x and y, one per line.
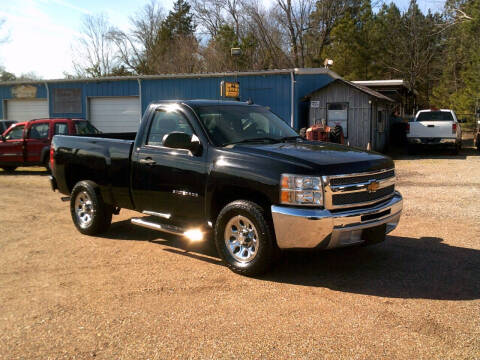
pixel 436 54
pixel 178 23
pixel 6 76
pixel 459 86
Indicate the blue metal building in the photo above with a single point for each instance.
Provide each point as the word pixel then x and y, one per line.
pixel 120 101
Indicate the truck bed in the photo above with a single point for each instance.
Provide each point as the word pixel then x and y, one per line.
pixel 102 158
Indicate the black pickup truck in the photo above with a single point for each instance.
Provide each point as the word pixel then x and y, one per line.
pixel 230 169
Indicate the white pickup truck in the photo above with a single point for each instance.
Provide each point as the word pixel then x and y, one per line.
pixel 436 127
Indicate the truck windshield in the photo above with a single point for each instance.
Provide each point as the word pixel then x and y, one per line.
pixel 435 116
pixel 230 124
pixel 83 127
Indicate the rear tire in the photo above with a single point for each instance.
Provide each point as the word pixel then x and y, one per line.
pixel 244 238
pixel 89 212
pixel 9 168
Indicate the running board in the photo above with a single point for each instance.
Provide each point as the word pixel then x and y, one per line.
pixel 157 214
pixel 175 230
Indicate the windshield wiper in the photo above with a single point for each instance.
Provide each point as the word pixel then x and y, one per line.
pixel 287 138
pixel 272 140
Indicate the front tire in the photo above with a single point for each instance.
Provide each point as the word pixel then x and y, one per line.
pixel 244 238
pixel 89 212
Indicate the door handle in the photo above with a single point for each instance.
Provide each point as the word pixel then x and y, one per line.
pixel 147 161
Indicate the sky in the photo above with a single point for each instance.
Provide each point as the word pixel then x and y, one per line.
pixel 40 33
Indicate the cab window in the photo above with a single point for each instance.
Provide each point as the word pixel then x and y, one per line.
pixel 15 134
pixel 61 129
pixel 39 131
pixel 166 122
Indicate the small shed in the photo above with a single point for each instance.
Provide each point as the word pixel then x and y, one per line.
pixel 363 113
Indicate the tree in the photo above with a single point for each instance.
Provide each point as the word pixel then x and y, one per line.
pixel 354 44
pixel 94 53
pixel 5 75
pixel 459 85
pixel 323 19
pixel 158 44
pixel 139 50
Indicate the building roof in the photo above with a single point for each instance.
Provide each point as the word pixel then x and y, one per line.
pixel 296 71
pixel 361 88
pixel 395 82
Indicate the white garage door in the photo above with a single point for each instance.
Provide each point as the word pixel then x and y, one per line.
pixel 114 115
pixel 24 110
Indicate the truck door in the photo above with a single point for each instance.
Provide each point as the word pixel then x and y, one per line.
pixel 165 180
pixel 11 150
pixel 36 140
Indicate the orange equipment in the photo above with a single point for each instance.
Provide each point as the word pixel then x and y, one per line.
pixel 319 132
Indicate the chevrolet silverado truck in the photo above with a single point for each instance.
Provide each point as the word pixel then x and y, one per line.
pixel 434 128
pixel 230 172
pixel 28 143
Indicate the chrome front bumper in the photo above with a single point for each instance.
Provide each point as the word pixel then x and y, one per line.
pixel 315 228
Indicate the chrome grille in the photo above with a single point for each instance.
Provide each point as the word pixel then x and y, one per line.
pixel 360 197
pixel 361 179
pixel 354 190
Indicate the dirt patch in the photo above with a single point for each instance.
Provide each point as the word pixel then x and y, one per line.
pixel 135 293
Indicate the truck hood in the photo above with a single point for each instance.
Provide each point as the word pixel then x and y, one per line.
pixel 328 158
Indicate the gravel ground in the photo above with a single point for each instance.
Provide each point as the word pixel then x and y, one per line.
pixel 135 293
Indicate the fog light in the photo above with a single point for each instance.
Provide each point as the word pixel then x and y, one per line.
pixel 194 235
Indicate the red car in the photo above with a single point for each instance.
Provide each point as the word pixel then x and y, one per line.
pixel 28 143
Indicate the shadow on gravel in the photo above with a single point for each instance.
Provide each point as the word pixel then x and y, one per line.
pixel 400 152
pixel 401 267
pixel 124 230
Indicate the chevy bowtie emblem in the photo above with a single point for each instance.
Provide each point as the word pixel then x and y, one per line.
pixel 373 186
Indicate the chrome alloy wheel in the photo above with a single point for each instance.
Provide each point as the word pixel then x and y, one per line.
pixel 241 239
pixel 84 209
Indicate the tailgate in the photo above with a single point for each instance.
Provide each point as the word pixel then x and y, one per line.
pixel 431 129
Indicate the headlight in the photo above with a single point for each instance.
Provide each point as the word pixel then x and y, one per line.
pixel 301 190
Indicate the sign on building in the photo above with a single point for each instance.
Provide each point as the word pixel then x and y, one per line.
pixel 230 89
pixel 24 91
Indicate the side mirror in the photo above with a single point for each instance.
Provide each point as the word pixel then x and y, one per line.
pixel 180 140
pixel 2 138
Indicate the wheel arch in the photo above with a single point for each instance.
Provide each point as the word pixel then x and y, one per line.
pixel 224 195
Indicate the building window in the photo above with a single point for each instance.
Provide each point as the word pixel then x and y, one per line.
pixel 337 114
